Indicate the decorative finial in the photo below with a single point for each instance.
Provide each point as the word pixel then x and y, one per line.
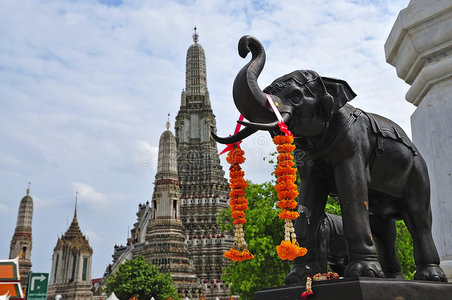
pixel 28 189
pixel 195 35
pixel 76 199
pixel 168 124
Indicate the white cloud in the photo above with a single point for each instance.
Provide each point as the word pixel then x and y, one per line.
pixel 5 209
pixel 88 195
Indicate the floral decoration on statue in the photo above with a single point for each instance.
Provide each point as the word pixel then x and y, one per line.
pixel 238 204
pixel 287 193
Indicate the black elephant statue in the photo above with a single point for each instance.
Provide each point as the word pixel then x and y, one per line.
pixel 331 245
pixel 366 160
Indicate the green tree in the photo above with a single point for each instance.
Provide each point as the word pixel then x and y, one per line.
pixel 263 232
pixel 136 277
pixel 404 248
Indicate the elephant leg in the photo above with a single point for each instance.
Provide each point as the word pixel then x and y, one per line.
pixel 323 244
pixel 313 196
pixel 418 219
pixel 384 232
pixel 352 177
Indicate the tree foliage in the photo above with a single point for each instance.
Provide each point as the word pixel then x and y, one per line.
pixel 263 232
pixel 136 277
pixel 404 248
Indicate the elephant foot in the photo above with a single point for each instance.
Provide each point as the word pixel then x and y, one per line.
pixel 300 271
pixel 364 268
pixel 430 272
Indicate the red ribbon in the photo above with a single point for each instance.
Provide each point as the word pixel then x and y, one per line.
pixel 284 128
pixel 229 147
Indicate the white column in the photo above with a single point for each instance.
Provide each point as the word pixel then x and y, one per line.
pixel 420 48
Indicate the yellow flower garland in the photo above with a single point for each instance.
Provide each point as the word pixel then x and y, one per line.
pixel 285 188
pixel 238 204
pixel 287 192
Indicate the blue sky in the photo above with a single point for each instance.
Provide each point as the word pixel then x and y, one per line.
pixel 86 86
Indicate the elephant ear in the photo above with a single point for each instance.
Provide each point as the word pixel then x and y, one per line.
pixel 340 90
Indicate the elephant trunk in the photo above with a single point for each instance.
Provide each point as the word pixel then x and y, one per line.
pixel 248 97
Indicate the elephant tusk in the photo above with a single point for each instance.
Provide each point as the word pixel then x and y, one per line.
pixel 242 134
pixel 266 126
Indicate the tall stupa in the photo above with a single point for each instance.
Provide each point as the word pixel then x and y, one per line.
pixel 21 242
pixel 158 234
pixel 203 186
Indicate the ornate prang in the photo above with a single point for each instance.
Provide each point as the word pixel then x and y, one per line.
pixel 21 243
pixel 203 185
pixel 177 231
pixel 158 234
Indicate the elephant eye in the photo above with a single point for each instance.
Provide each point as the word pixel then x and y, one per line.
pixel 296 97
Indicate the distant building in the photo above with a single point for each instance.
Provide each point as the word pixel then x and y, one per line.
pixel 21 242
pixel 203 185
pixel 158 235
pixel 70 275
pixel 178 230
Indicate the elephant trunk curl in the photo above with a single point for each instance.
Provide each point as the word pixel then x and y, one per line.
pixel 249 99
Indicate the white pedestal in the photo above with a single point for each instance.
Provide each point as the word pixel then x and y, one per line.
pixel 420 47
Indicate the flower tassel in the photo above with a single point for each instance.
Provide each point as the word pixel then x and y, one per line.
pixel 308 290
pixel 287 193
pixel 238 204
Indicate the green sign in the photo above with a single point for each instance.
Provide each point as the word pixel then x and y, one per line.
pixel 37 286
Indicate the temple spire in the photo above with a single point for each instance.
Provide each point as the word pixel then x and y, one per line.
pixel 76 200
pixel 168 124
pixel 74 222
pixel 201 177
pixel 21 243
pixel 195 75
pixel 195 35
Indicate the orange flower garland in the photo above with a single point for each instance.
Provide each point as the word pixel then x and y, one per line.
pixel 287 192
pixel 238 204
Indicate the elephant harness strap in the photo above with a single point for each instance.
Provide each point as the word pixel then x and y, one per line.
pixel 329 141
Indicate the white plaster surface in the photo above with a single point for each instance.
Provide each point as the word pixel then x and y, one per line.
pixel 420 48
pixel 432 133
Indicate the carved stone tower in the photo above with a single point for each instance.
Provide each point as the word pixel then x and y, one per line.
pixel 166 246
pixel 158 235
pixel 21 242
pixel 203 186
pixel 71 265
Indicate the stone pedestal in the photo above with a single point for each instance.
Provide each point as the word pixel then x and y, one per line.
pixel 420 48
pixel 363 289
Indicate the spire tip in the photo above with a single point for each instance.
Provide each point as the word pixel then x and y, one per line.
pixel 195 35
pixel 168 124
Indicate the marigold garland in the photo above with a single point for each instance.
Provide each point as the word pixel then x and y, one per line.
pixel 287 192
pixel 238 204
